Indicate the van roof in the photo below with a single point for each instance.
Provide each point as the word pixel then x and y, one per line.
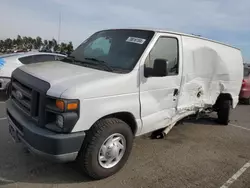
pixel 179 33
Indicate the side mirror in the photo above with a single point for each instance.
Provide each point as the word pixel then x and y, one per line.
pixel 159 69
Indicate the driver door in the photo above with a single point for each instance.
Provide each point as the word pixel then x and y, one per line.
pixel 159 95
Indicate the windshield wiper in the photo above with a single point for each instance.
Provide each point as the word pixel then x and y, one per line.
pixel 74 60
pixel 101 62
pixel 69 57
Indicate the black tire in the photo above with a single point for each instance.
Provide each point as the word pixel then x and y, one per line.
pixel 248 101
pixel 95 137
pixel 224 112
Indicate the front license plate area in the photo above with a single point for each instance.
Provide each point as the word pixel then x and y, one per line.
pixel 13 132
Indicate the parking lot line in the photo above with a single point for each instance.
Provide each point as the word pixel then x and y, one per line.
pixel 236 176
pixel 4 118
pixel 240 127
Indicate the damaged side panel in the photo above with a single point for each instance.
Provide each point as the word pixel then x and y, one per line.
pixel 209 69
pixel 206 70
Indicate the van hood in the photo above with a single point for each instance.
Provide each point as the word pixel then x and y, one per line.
pixel 64 76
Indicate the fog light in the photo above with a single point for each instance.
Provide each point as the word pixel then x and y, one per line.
pixel 59 121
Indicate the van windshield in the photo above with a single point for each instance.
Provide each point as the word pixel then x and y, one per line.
pixel 119 50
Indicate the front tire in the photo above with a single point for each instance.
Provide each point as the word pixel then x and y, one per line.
pixel 224 112
pixel 106 148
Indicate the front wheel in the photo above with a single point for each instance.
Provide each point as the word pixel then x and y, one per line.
pixel 106 148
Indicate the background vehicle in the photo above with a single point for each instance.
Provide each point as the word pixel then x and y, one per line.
pixel 119 84
pixel 9 62
pixel 245 89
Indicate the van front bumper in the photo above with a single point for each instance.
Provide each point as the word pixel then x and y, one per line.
pixel 43 142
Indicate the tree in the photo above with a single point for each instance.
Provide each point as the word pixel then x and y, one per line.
pixel 70 47
pixel 54 45
pixel 1 45
pixel 34 44
pixel 29 40
pixel 8 43
pixel 63 47
pixel 38 42
pixel 14 42
pixel 27 43
pixel 50 45
pixel 45 42
pixel 19 40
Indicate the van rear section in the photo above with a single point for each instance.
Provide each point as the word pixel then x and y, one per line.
pixel 209 69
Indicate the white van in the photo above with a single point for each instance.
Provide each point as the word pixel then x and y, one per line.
pixel 116 85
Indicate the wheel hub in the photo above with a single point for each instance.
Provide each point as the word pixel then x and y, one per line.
pixel 112 150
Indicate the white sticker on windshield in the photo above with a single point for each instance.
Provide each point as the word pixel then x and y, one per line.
pixel 135 40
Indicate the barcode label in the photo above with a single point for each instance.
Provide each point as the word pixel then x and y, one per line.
pixel 135 40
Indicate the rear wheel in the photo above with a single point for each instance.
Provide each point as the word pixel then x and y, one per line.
pixel 106 148
pixel 248 101
pixel 224 111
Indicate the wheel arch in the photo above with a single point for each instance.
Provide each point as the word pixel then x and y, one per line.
pixel 222 97
pixel 127 117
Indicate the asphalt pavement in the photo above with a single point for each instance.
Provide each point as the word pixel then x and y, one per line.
pixel 195 154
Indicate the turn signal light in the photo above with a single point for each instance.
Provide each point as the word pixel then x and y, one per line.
pixel 60 104
pixel 66 105
pixel 72 106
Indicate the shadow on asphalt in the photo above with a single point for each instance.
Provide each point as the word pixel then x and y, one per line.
pixel 243 102
pixel 45 173
pixel 204 121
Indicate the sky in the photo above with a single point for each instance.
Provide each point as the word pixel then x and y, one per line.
pixel 227 21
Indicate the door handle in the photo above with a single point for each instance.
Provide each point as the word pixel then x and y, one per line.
pixel 176 92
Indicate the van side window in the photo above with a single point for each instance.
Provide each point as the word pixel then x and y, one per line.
pixel 165 48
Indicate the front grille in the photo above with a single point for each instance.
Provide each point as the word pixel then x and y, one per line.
pixel 25 98
pixel 28 93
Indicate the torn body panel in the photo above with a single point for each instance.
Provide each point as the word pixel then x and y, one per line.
pixel 209 69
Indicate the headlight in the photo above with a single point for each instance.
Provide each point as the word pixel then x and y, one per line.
pixel 64 122
pixel 62 114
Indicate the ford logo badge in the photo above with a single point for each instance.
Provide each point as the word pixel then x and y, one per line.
pixel 19 95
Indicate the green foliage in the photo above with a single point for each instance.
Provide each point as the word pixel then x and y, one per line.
pixel 28 43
